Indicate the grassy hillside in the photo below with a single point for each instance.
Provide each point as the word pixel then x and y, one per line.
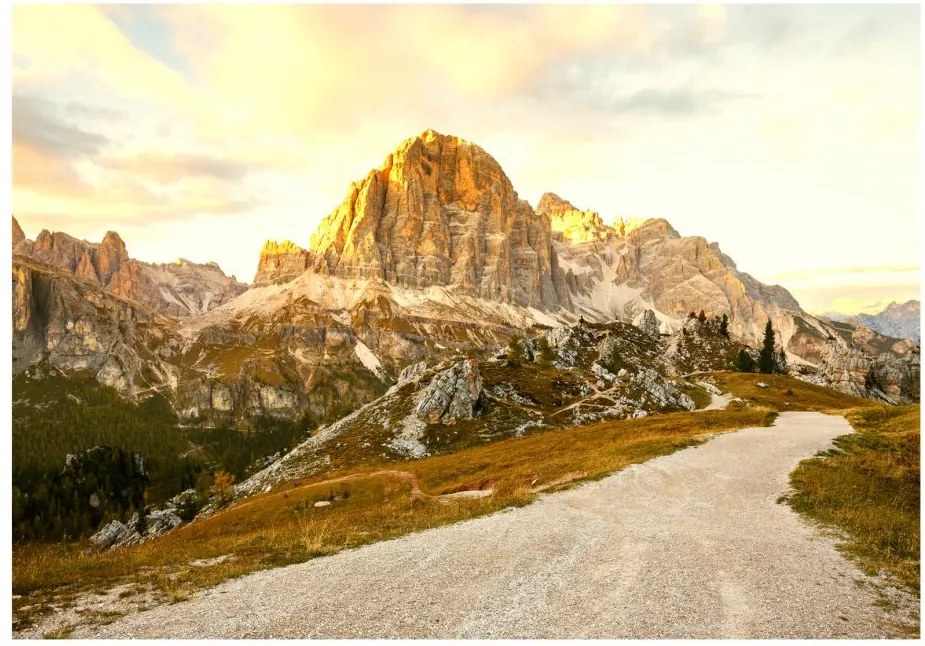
pixel 869 486
pixel 783 393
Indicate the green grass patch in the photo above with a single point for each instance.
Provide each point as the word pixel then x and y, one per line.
pixel 869 486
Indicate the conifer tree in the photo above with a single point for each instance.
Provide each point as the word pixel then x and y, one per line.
pixel 546 355
pixel 724 326
pixel 744 361
pixel 766 358
pixel 515 352
pixel 702 317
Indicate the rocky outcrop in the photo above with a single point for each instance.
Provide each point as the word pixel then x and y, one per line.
pixel 570 224
pixel 157 521
pixel 76 326
pixel 176 289
pixel 451 395
pixel 659 392
pixel 649 324
pixel 899 378
pixel 18 236
pixel 886 377
pixel 412 371
pixel 280 262
pixel 441 212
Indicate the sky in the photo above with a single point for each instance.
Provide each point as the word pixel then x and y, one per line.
pixel 789 134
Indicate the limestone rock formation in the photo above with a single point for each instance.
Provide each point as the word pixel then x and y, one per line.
pixel 571 224
pixel 452 394
pixel 18 235
pixel 186 288
pixel 280 262
pixel 77 326
pixel 441 212
pixel 178 289
pixel 887 377
pixel 412 371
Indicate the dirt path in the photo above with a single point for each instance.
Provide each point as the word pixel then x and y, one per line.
pixel 693 544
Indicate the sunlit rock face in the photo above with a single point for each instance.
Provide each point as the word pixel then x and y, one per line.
pixel 280 262
pixel 571 224
pixel 441 212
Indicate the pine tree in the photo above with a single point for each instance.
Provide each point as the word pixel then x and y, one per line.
pixel 544 350
pixel 724 326
pixel 515 352
pixel 744 361
pixel 766 358
pixel 702 317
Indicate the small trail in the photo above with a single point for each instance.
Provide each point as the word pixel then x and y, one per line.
pixel 689 545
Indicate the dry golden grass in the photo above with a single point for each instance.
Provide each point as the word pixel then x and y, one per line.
pixel 868 486
pixel 376 503
pixel 784 393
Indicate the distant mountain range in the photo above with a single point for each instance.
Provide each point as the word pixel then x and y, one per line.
pixel 432 255
pixel 899 320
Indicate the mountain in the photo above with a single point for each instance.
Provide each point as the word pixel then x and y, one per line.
pixel 77 326
pixel 440 212
pixel 179 289
pixel 430 256
pixel 900 320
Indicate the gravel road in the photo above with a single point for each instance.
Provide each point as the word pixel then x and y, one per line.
pixel 692 544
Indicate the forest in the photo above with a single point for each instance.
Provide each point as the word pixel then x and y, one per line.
pixel 124 455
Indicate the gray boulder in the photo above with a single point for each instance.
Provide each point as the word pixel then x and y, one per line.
pixel 451 395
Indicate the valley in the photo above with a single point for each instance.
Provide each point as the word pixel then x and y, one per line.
pixel 442 351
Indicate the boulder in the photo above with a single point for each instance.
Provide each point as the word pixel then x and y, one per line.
pixel 451 395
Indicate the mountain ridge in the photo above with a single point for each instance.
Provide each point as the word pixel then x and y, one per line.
pixel 180 288
pixel 433 254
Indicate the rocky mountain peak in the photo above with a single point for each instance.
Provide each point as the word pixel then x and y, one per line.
pixel 441 211
pixel 551 204
pixel 18 235
pixel 652 229
pixel 176 289
pixel 280 262
pixel 570 223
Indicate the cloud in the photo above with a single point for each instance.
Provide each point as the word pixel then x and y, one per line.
pixel 675 101
pixel 169 167
pixel 37 123
pixel 207 108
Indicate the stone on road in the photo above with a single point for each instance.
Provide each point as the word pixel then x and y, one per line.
pixel 692 544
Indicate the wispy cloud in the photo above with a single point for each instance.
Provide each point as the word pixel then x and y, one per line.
pixel 40 124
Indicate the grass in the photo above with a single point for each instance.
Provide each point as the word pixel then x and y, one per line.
pixel 868 486
pixel 284 526
pixel 697 393
pixel 784 393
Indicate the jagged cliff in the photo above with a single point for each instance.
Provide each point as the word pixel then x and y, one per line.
pixel 77 326
pixel 182 288
pixel 280 262
pixel 440 211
